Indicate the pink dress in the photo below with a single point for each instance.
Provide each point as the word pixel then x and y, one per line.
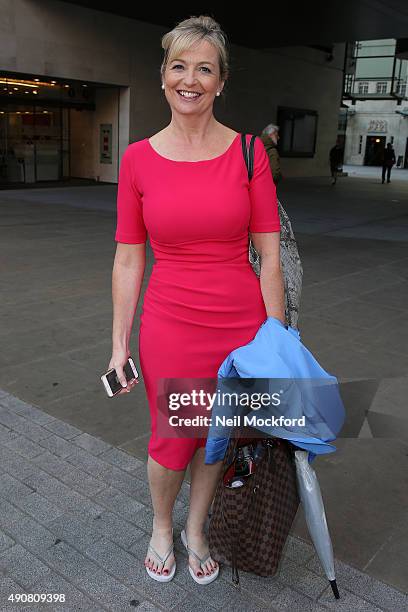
pixel 203 299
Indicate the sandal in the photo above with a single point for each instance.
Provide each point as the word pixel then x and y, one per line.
pixel 203 579
pixel 161 577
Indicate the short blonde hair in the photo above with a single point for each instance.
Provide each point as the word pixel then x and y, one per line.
pixel 191 31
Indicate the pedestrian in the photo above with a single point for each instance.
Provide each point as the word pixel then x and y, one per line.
pixel 388 162
pixel 270 138
pixel 187 188
pixel 335 160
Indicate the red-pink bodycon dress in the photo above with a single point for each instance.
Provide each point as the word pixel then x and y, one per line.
pixel 203 299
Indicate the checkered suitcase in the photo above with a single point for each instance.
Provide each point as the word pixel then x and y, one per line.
pixel 249 525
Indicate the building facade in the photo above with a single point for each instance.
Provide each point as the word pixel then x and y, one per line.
pixel 78 85
pixel 376 105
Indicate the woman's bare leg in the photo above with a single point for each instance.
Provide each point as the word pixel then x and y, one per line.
pixel 204 480
pixel 164 487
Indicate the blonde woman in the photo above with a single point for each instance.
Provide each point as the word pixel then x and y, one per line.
pixel 187 188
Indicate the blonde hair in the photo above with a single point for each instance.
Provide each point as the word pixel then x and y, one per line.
pixel 191 31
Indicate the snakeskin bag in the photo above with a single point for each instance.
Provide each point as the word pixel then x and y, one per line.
pixel 250 524
pixel 292 270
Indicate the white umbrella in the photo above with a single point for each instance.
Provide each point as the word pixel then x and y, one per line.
pixel 312 502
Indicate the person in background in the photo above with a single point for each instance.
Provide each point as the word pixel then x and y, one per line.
pixel 270 137
pixel 388 162
pixel 335 159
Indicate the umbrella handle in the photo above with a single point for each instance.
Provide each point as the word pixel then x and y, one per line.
pixel 335 590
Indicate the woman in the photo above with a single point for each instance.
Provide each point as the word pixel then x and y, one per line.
pixel 187 187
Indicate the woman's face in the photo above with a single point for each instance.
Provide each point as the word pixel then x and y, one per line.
pixel 191 81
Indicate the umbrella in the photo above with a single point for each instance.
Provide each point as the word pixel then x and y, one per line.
pixel 315 516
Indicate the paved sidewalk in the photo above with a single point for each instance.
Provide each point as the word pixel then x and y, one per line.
pixel 75 519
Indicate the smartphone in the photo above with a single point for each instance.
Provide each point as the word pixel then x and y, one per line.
pixel 110 379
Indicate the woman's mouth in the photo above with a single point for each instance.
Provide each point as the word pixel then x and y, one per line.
pixel 190 96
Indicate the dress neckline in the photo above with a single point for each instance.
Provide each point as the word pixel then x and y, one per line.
pixel 198 161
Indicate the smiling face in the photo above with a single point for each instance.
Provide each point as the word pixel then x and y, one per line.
pixel 192 79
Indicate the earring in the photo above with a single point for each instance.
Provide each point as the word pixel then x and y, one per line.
pixel 162 86
pixel 218 93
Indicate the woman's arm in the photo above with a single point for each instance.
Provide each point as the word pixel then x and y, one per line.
pixel 271 279
pixel 127 277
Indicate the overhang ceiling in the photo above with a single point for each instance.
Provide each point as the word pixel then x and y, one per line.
pixel 277 23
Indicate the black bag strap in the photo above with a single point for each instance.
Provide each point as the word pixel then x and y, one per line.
pixel 248 153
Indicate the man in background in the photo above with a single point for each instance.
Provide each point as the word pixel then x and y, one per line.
pixel 335 160
pixel 388 162
pixel 270 137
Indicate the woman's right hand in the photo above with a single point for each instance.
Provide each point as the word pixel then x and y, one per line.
pixel 118 361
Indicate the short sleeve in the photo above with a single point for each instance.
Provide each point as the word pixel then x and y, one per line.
pixel 262 192
pixel 130 227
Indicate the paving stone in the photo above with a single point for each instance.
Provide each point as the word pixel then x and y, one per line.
pixel 58 446
pixel 9 514
pixel 220 594
pixel 12 489
pixel 146 606
pixel 291 601
pixel 121 459
pixel 39 507
pixel 298 550
pixel 27 410
pixel 68 561
pixel 16 465
pixel 126 482
pixel 118 502
pixel 302 579
pixel 194 604
pixel 22 566
pixel 22 425
pixel 82 482
pixel 52 464
pixel 24 446
pixel 7 434
pixel 69 528
pixel 61 495
pixel 3 394
pixel 364 585
pixel 93 445
pixel 110 592
pixel 115 529
pixel 5 541
pixel 349 602
pixel 87 462
pixel 64 430
pixel 57 585
pixel 31 534
pixel 131 571
pixel 265 587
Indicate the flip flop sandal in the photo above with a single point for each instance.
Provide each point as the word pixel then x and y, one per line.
pixel 162 577
pixel 204 579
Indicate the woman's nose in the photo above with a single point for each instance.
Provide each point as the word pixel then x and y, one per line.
pixel 190 78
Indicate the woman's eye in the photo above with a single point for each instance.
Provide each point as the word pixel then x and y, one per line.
pixel 177 66
pixel 205 68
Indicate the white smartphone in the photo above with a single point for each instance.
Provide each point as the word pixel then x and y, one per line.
pixel 111 381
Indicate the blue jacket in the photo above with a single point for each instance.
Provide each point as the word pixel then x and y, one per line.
pixel 277 353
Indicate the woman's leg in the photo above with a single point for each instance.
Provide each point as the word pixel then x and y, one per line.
pixel 164 487
pixel 204 480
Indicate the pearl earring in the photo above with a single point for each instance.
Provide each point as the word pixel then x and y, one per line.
pixel 218 93
pixel 162 86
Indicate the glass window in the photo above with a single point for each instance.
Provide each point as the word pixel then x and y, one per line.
pixel 298 129
pixel 363 87
pixel 381 87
